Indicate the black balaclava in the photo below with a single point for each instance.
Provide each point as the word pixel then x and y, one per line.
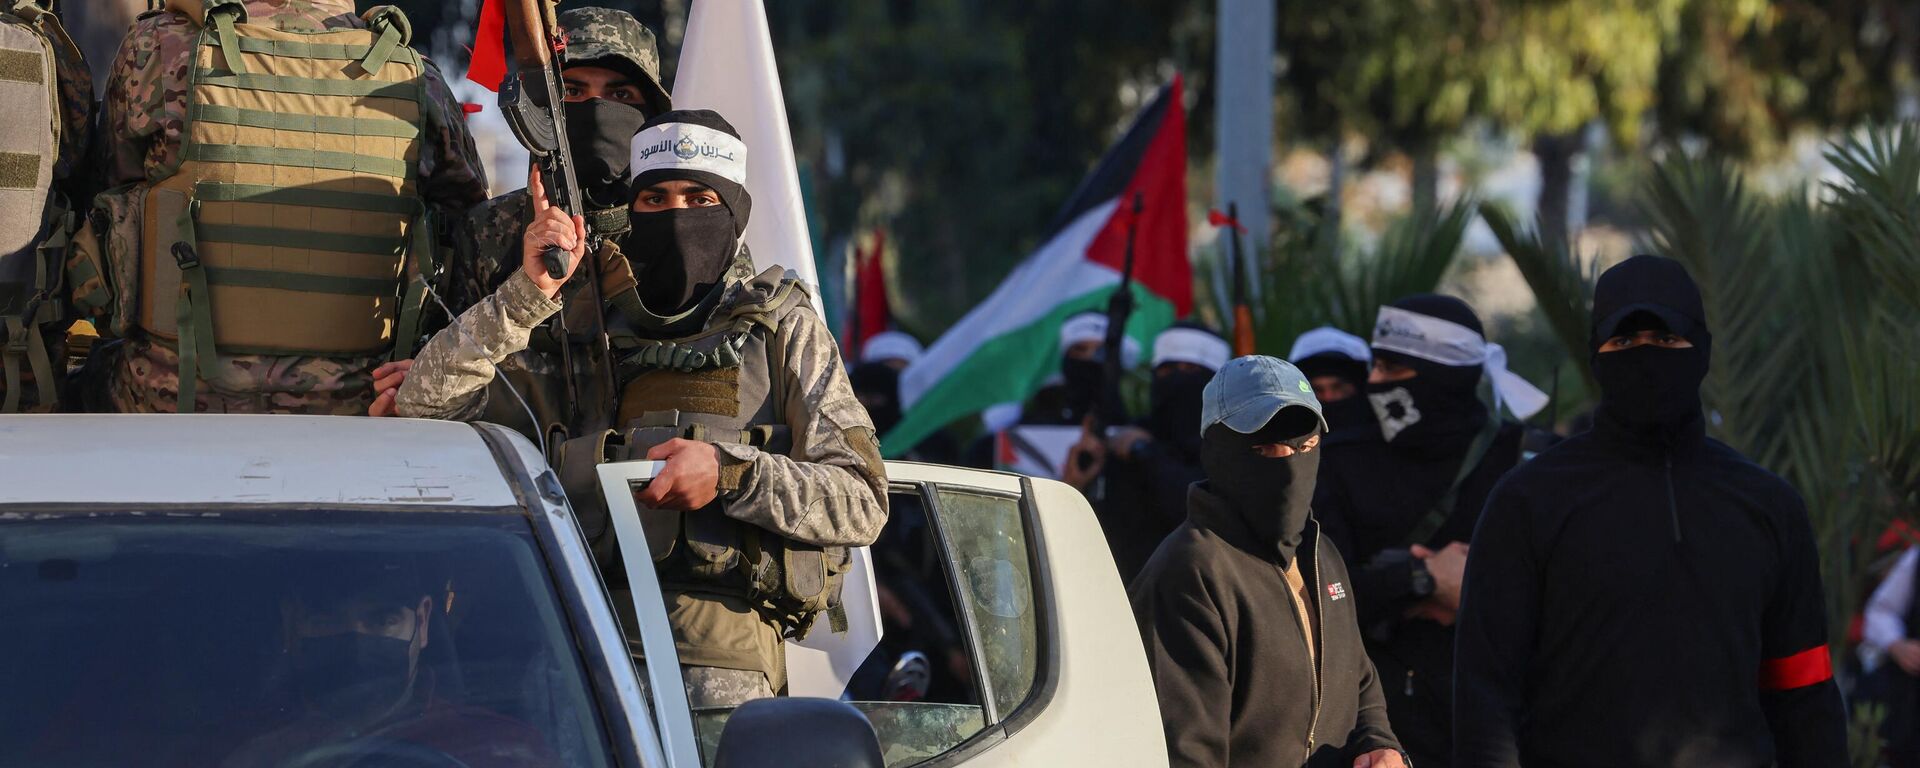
pixel 1274 497
pixel 1175 405
pixel 353 676
pixel 1355 411
pixel 1440 409
pixel 1652 393
pixel 878 387
pixel 600 135
pixel 682 255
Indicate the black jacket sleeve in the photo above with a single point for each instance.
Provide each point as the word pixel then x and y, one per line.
pixel 1371 730
pixel 1383 582
pixel 1186 644
pixel 1798 693
pixel 1166 477
pixel 1494 644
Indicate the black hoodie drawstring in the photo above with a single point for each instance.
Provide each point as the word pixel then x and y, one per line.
pixel 1673 507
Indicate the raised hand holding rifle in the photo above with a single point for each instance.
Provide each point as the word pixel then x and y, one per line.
pixel 1111 408
pixel 532 99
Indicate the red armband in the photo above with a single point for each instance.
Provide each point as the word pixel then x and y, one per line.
pixel 1809 667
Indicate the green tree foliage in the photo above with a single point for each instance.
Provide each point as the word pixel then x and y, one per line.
pixel 963 126
pixel 1745 74
pixel 1312 279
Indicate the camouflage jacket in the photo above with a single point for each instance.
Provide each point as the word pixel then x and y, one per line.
pixel 830 491
pixel 144 116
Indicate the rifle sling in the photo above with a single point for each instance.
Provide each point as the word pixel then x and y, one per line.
pixel 1442 509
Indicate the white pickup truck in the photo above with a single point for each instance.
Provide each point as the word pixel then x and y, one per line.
pixel 209 590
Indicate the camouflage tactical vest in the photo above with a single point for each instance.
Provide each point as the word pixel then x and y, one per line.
pixel 35 54
pixel 294 225
pixel 722 384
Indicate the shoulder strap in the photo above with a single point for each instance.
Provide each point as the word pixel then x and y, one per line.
pixel 1443 508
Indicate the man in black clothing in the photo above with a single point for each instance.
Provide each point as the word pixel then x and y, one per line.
pixel 1337 363
pixel 1148 466
pixel 1245 610
pixel 1400 499
pixel 1640 595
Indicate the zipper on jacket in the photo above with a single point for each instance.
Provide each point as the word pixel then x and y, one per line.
pixel 1313 636
pixel 1673 507
pixel 1320 648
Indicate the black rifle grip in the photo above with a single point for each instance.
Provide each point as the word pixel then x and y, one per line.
pixel 557 260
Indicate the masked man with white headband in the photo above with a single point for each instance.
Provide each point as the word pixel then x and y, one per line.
pixel 1149 465
pixel 1066 398
pixel 772 466
pixel 1337 364
pixel 1401 500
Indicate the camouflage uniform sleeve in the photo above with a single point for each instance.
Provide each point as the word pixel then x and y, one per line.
pixel 832 490
pixel 487 242
pixel 450 375
pixel 452 176
pixel 140 91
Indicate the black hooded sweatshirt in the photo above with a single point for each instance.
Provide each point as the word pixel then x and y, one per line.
pixel 1640 594
pixel 1372 496
pixel 1227 644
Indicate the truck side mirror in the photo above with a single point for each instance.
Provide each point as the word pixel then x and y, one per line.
pixel 798 733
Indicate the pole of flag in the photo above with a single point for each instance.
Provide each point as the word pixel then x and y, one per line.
pixel 1243 338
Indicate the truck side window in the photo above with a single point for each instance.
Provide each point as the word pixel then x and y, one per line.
pixel 987 545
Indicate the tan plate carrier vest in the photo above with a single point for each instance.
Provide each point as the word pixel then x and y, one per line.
pixel 294 224
pixel 34 224
pixel 723 385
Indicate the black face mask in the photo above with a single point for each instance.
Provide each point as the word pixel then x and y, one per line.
pixel 351 676
pixel 681 255
pixel 1175 405
pixel 878 387
pixel 1651 390
pixel 1432 411
pixel 600 135
pixel 1273 496
pixel 1083 379
pixel 1355 411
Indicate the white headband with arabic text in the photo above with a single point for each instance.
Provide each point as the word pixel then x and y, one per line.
pixel 690 147
pixel 1452 344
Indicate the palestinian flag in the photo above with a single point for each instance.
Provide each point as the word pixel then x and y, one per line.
pixel 1003 349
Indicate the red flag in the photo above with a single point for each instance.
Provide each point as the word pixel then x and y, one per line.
pixel 871 314
pixel 488 67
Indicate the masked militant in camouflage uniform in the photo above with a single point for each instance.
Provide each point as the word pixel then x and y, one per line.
pixel 611 68
pixel 278 170
pixel 772 466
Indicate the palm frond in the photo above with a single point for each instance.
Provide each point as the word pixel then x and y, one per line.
pixel 1561 287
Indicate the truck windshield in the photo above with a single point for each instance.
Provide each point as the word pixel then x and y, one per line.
pixel 430 640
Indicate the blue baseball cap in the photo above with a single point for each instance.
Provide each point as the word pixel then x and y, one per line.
pixel 1249 391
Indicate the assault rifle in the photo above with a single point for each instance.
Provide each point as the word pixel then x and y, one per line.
pixel 532 99
pixel 1111 408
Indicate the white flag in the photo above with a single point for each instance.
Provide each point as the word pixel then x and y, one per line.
pixel 726 65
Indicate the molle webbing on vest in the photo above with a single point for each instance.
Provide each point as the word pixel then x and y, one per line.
pixel 712 391
pixel 297 197
pixel 33 224
pixel 760 305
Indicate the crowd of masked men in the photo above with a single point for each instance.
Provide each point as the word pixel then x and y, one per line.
pixel 1346 559
pixel 1358 557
